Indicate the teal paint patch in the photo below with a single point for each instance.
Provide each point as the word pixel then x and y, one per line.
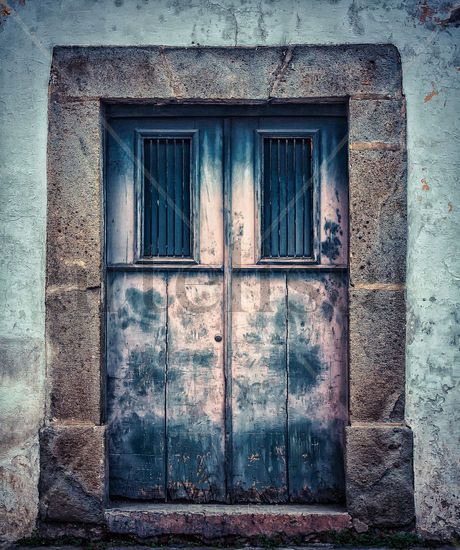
pixel 141 308
pixel 330 247
pixel 195 472
pixel 260 465
pixel 136 458
pixel 305 368
pixel 328 311
pixel 316 465
pixel 146 371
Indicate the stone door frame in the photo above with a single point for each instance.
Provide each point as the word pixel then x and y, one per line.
pixel 379 477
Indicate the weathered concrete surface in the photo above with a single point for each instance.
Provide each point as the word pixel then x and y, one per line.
pixel 72 479
pixel 425 34
pixel 379 470
pixel 220 521
pixel 21 399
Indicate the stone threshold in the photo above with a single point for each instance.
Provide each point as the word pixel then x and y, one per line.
pixel 214 521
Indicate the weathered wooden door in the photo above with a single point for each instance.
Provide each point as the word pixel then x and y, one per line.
pixel 226 254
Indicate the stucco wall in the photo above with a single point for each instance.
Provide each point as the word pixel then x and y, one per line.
pixel 426 37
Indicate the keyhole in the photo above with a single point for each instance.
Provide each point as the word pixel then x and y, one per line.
pixel 218 338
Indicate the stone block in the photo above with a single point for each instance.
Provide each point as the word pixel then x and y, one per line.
pixel 74 229
pixel 376 123
pixel 377 352
pixel 220 521
pixel 377 217
pixel 72 481
pixel 361 70
pixel 73 326
pixel 379 475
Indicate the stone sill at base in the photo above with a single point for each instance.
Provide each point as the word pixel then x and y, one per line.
pixel 211 521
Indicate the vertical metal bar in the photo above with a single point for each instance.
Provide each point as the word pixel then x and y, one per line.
pixel 227 302
pixel 294 178
pixel 279 195
pixel 147 206
pixel 166 443
pixel 191 213
pixel 173 251
pixel 158 199
pixel 268 250
pixel 286 187
pixel 183 198
pixel 304 192
pixel 166 198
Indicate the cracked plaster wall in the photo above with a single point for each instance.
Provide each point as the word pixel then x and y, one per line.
pixel 427 35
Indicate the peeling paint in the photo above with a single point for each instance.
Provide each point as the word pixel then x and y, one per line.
pixel 434 92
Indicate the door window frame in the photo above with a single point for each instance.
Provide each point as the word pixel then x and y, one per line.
pixel 140 136
pixel 314 137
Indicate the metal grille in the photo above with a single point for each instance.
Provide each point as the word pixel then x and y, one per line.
pixel 287 216
pixel 167 197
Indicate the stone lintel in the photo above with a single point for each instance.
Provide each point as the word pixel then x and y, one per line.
pixel 227 73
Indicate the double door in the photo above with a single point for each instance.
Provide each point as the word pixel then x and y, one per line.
pixel 226 308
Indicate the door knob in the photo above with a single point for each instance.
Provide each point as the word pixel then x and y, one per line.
pixel 218 338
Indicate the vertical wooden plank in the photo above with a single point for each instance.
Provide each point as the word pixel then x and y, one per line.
pixel 211 237
pixel 259 388
pixel 136 360
pixel 317 403
pixel 334 192
pixel 195 388
pixel 243 190
pixel 120 192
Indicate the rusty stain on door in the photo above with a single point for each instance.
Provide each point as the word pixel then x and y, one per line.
pixel 226 303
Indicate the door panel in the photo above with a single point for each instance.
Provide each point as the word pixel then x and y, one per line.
pixel 317 406
pixel 195 388
pixel 289 328
pixel 259 388
pixel 251 411
pixel 136 366
pixel 165 369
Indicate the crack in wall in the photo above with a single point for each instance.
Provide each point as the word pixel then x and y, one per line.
pixel 280 72
pixel 174 82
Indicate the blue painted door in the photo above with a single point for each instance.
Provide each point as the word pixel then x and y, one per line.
pixel 226 308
